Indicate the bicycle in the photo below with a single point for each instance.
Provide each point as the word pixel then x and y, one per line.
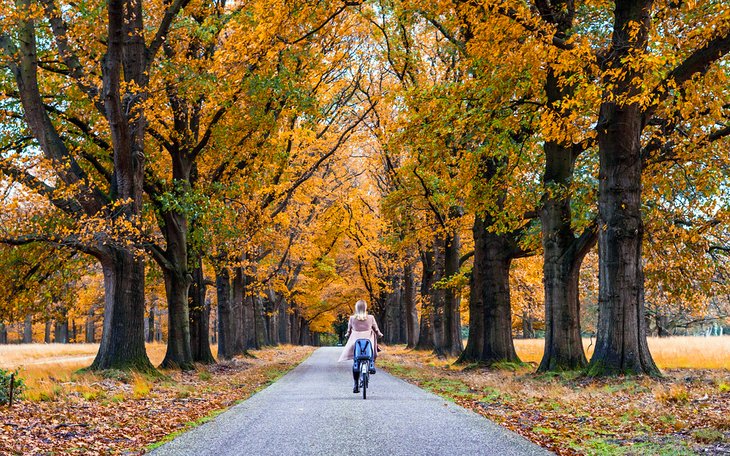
pixel 362 360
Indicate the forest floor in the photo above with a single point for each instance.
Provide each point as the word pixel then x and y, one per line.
pixel 65 411
pixel 686 412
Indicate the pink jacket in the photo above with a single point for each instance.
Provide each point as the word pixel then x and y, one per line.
pixel 360 329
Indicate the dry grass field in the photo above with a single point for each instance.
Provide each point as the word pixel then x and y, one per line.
pixel 43 366
pixel 668 352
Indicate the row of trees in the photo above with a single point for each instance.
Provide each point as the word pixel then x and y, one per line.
pixel 550 126
pixel 296 156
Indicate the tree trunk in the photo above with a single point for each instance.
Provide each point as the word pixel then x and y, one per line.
pixel 151 323
pixel 179 354
pixel 453 345
pixel 60 330
pixel 272 317
pixel 393 315
pixel 214 324
pixel 226 318
pixel 262 334
pixel 425 338
pixel 3 333
pixel 47 332
pixel 28 329
pixel 621 346
pixel 90 327
pixel 295 327
pixel 122 338
pixel 662 325
pixel 527 330
pixel 409 300
pixel 237 310
pixel 438 295
pixel 563 256
pixel 284 322
pixel 490 315
pixel 199 318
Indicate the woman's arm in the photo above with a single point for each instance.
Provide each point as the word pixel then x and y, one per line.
pixel 349 327
pixel 376 329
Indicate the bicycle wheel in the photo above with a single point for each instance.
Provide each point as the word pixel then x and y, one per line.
pixel 364 378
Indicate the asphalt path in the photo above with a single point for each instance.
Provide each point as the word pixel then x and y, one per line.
pixel 312 411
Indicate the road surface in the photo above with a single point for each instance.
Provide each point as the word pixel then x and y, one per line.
pixel 312 411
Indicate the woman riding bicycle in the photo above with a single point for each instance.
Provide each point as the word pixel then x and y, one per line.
pixel 361 326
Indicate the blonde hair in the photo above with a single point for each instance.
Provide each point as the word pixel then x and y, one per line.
pixel 361 310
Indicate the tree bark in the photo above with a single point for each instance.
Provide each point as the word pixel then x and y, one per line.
pixel 47 332
pixel 490 314
pixel 179 353
pixel 527 329
pixel 409 300
pixel 199 317
pixel 284 321
pixel 261 331
pixel 90 327
pixel 122 338
pixel 621 346
pixel 393 315
pixel 563 256
pixel 28 329
pixel 452 345
pixel 3 333
pixel 226 328
pixel 425 337
pixel 438 295
pixel 151 323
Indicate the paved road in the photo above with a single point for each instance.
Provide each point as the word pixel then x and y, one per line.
pixel 312 411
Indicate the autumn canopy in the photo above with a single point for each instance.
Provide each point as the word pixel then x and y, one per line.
pixel 242 172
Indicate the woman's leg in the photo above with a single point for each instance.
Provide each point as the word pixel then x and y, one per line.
pixel 355 377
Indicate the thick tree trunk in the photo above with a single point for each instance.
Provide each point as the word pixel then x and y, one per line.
pixel 452 345
pixel 425 337
pixel 490 315
pixel 3 333
pixel 226 328
pixel 621 346
pixel 409 301
pixel 28 329
pixel 199 318
pixel 563 256
pixel 122 338
pixel 179 354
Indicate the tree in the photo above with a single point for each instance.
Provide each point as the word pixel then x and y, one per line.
pixel 111 200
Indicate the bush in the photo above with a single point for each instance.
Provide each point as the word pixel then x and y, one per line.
pixel 19 386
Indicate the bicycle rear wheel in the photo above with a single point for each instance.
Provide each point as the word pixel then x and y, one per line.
pixel 364 378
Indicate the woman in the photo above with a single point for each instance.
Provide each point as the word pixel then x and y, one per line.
pixel 361 326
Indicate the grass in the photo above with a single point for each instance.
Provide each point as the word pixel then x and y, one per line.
pixel 678 352
pixel 685 412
